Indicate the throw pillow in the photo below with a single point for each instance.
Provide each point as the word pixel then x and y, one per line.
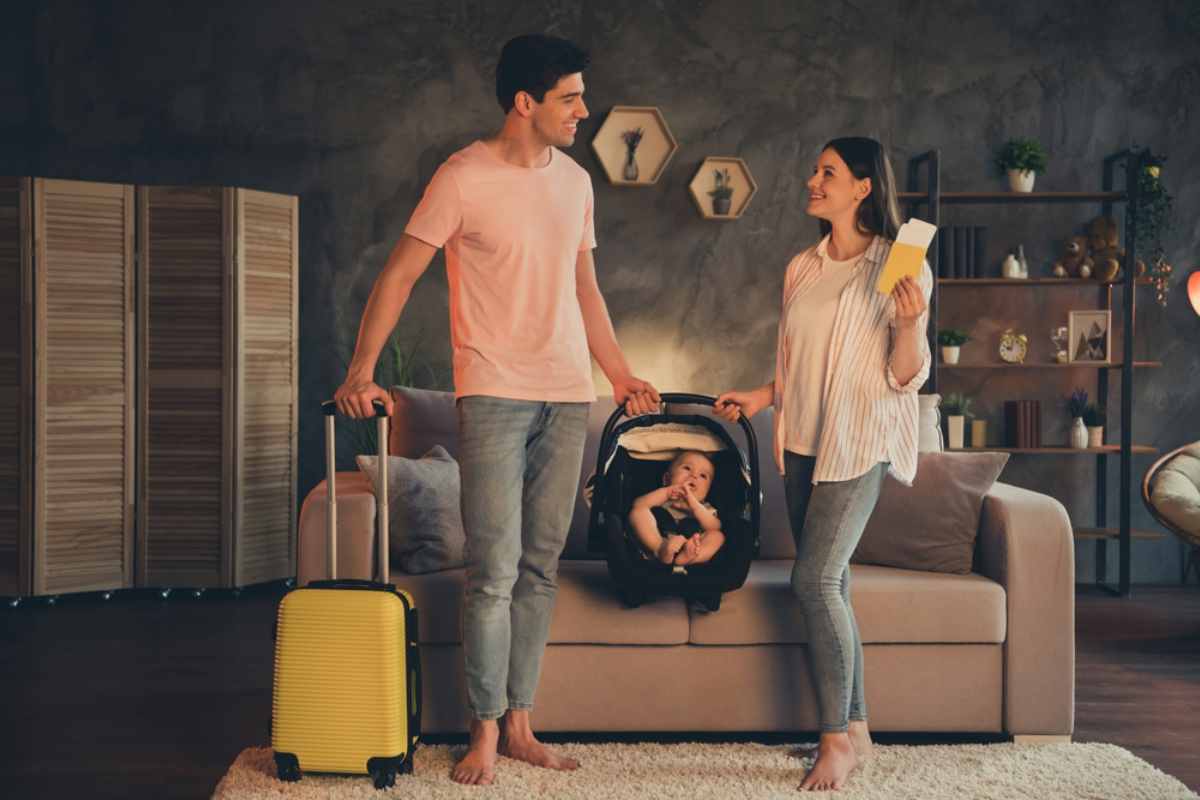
pixel 425 529
pixel 931 525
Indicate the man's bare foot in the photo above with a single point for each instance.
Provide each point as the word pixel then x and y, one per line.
pixel 478 766
pixel 517 741
pixel 835 761
pixel 860 737
pixel 690 551
pixel 670 547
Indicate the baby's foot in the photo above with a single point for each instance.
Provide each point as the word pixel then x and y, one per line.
pixel 671 545
pixel 690 551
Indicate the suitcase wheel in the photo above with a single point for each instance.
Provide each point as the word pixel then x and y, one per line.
pixel 288 767
pixel 384 777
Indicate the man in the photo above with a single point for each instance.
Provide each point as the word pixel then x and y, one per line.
pixel 514 214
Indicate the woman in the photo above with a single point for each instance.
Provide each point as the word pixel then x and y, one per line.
pixel 848 364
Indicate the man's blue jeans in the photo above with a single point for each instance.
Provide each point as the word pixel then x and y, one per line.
pixel 520 463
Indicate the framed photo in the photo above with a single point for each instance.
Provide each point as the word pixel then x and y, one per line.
pixel 1090 337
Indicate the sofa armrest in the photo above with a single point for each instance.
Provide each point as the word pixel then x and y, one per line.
pixel 355 528
pixel 1026 545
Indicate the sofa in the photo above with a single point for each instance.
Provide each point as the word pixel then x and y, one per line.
pixel 990 652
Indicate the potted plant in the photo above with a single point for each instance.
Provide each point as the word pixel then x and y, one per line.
pixel 1093 418
pixel 632 139
pixel 1077 404
pixel 1022 160
pixel 951 340
pixel 957 408
pixel 722 192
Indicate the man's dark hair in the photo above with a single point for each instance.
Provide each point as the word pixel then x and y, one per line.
pixel 535 63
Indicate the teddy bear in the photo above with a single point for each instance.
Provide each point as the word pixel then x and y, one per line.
pixel 1075 261
pixel 1104 247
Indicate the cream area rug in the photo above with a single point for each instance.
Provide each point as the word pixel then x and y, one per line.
pixel 746 772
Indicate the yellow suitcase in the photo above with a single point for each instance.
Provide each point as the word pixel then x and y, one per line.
pixel 347 693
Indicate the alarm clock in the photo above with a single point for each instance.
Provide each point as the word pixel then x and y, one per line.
pixel 1014 347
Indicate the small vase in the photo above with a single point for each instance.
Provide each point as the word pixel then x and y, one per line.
pixel 979 433
pixel 1021 180
pixel 954 430
pixel 1079 434
pixel 721 205
pixel 1095 435
pixel 950 354
pixel 1010 268
pixel 630 173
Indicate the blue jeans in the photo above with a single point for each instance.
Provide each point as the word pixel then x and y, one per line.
pixel 827 521
pixel 519 462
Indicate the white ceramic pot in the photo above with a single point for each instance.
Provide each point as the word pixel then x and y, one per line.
pixel 1021 180
pixel 1079 434
pixel 1095 436
pixel 954 427
pixel 979 433
pixel 950 354
pixel 1010 268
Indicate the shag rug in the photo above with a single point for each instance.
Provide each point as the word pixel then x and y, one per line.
pixel 746 772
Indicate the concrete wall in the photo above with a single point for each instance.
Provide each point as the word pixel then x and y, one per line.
pixel 352 106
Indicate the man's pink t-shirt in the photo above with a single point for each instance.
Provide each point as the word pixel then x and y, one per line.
pixel 512 236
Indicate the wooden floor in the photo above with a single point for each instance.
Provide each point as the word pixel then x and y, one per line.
pixel 138 697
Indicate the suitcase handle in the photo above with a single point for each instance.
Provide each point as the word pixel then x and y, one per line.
pixel 329 409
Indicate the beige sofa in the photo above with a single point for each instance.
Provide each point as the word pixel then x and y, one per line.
pixel 989 652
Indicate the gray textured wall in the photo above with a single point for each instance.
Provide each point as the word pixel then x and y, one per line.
pixel 352 106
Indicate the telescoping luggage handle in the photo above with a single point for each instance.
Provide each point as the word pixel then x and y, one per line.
pixel 330 409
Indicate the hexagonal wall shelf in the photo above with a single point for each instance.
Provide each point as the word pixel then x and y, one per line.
pixel 651 155
pixel 739 181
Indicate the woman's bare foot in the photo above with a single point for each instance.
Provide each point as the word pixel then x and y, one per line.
pixel 517 741
pixel 860 737
pixel 689 552
pixel 478 766
pixel 670 547
pixel 836 759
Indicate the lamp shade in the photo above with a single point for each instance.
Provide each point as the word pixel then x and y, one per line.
pixel 1193 289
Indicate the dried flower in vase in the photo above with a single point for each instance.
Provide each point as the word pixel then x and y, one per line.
pixel 633 138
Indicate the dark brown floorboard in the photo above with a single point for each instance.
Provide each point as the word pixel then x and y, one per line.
pixel 138 697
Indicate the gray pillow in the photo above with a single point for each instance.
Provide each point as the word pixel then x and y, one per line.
pixel 425 529
pixel 931 525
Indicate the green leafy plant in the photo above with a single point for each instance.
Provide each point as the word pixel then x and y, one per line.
pixel 1077 402
pixel 1152 216
pixel 1094 416
pixel 951 337
pixel 723 187
pixel 956 404
pixel 1025 155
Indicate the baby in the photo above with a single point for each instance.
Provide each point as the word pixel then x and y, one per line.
pixel 673 523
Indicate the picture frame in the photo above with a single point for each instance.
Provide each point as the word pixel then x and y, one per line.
pixel 1090 337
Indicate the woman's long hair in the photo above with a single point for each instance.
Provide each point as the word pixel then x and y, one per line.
pixel 878 213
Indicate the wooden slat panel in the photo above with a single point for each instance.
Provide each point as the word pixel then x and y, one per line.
pixel 84 381
pixel 267 386
pixel 183 294
pixel 15 389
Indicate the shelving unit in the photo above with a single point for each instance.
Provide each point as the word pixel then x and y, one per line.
pixel 931 201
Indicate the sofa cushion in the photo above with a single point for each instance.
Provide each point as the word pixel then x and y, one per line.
pixel 1176 491
pixel 425 527
pixel 422 418
pixel 586 610
pixel 891 606
pixel 932 524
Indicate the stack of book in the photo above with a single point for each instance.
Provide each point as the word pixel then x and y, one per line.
pixel 962 250
pixel 1023 423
